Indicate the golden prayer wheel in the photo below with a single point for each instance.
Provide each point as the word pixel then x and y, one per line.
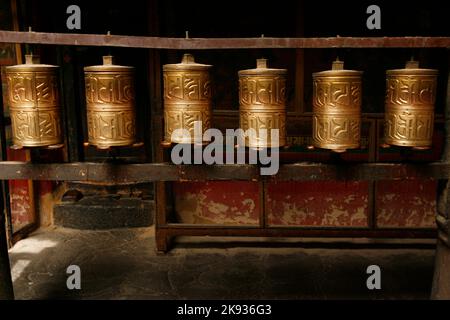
pixel 337 108
pixel 262 101
pixel 34 104
pixel 187 99
pixel 111 115
pixel 410 98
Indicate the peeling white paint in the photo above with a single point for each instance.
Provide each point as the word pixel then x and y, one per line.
pixel 349 198
pixel 217 208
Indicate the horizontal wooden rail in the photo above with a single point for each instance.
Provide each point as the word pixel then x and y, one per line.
pixel 147 172
pixel 220 43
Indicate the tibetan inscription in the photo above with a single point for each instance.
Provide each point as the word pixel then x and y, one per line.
pixel 110 98
pixel 34 106
pixel 187 99
pixel 409 115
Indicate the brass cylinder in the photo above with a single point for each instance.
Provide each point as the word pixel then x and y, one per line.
pixel 410 98
pixel 34 103
pixel 337 108
pixel 262 105
pixel 111 115
pixel 187 99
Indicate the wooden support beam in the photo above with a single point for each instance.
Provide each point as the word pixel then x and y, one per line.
pixel 364 171
pixel 220 43
pixel 175 229
pixel 148 172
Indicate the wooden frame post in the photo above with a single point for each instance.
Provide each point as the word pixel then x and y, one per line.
pixel 6 287
pixel 441 279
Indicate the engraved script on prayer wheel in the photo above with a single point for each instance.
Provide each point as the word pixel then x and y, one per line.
pixel 34 104
pixel 410 98
pixel 187 99
pixel 337 108
pixel 262 100
pixel 111 115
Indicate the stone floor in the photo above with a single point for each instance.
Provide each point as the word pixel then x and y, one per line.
pixel 123 264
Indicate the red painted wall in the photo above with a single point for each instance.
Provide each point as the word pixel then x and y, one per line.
pixel 217 202
pixel 318 203
pixel 21 195
pixel 406 204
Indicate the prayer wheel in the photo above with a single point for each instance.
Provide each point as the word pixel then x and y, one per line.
pixel 337 108
pixel 111 115
pixel 262 101
pixel 187 100
pixel 34 104
pixel 410 99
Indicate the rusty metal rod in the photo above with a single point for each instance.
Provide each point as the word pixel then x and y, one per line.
pixel 220 43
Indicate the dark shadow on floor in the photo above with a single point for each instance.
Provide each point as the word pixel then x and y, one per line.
pixel 123 264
